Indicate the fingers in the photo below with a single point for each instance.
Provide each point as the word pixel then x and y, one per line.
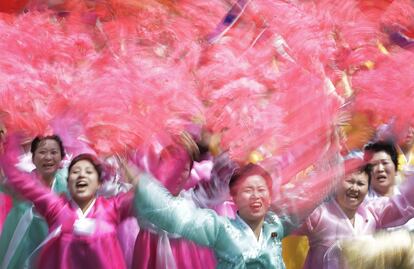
pixel 188 142
pixel 131 173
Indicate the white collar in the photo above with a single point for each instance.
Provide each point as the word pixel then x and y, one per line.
pixel 250 233
pixel 79 211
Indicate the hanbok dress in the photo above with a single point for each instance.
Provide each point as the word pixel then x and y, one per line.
pixel 158 249
pixel 328 224
pixel 76 239
pixel 24 229
pixel 232 240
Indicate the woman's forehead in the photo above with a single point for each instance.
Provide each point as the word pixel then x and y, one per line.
pixel 253 180
pixel 357 176
pixel 83 163
pixel 48 143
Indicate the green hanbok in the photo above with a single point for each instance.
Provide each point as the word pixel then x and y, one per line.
pixel 24 230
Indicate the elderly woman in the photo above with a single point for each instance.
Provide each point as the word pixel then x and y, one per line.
pixel 346 215
pixel 24 229
pixel 82 227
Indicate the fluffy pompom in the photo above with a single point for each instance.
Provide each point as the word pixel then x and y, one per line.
pixel 37 70
pixel 385 94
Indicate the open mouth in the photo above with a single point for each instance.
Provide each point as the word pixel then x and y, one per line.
pixel 352 196
pixel 256 205
pixel 81 185
pixel 49 165
pixel 381 178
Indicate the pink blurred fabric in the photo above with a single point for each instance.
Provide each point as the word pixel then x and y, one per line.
pixel 76 241
pixel 5 205
pixel 155 248
pixel 328 224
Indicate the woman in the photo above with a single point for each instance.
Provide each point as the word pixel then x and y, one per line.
pixel 252 239
pixel 156 248
pixel 24 229
pixel 83 228
pixel 347 216
pixel 383 158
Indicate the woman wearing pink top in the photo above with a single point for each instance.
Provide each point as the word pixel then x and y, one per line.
pixel 82 229
pixel 346 215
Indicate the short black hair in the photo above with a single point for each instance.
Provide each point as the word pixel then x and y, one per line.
pixel 246 171
pixel 35 144
pixel 90 158
pixel 365 169
pixel 384 145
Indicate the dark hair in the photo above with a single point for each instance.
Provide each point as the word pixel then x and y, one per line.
pixel 35 144
pixel 386 146
pixel 246 171
pixel 90 158
pixel 365 169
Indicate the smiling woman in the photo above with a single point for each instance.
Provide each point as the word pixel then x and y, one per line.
pixel 346 216
pixel 23 230
pixel 47 153
pixel 84 179
pixel 83 229
pixel 253 238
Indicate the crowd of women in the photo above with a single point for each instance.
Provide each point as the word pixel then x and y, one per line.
pixel 60 219
pixel 206 134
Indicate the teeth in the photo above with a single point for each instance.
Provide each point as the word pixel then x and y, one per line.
pixel 81 184
pixel 354 196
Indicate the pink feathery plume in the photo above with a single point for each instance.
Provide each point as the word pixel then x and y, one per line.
pixel 133 98
pixel 236 82
pixel 295 31
pixel 72 132
pixel 245 63
pixel 374 10
pixel 356 35
pixel 310 114
pixel 398 22
pixel 385 93
pixel 37 65
pixel 13 6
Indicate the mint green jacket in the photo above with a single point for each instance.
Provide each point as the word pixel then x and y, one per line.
pixel 24 230
pixel 232 240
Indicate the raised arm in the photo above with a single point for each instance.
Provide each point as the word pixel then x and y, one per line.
pixel 397 210
pixel 176 215
pixel 215 191
pixel 26 184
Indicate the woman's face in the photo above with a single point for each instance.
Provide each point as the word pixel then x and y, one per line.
pixel 83 181
pixel 382 173
pixel 252 198
pixel 47 158
pixel 352 191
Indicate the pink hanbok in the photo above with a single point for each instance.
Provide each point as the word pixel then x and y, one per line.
pixel 76 240
pixel 328 224
pixel 157 249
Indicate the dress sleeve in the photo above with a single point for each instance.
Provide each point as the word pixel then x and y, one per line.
pixel 47 203
pixel 124 205
pixel 176 215
pixel 27 185
pixel 310 223
pixel 397 210
pixel 215 190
